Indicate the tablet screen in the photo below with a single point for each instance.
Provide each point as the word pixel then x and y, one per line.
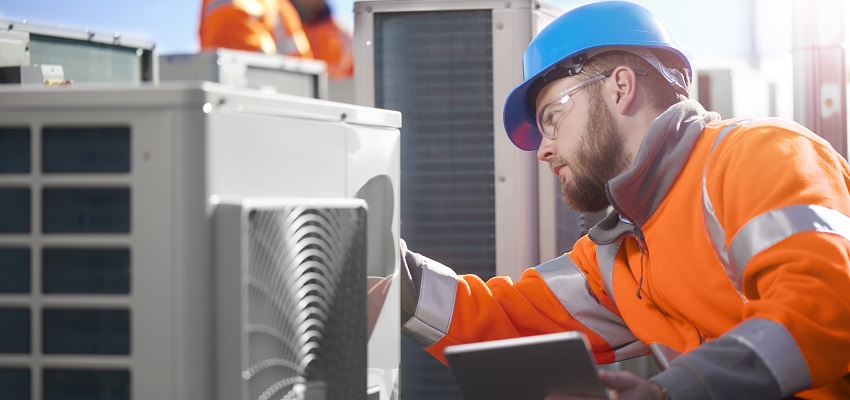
pixel 526 368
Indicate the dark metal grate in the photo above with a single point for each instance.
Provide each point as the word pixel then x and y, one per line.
pixel 85 149
pixel 16 269
pixel 85 331
pixel 15 383
pixel 86 384
pixel 86 210
pixel 14 150
pixel 436 68
pixel 86 270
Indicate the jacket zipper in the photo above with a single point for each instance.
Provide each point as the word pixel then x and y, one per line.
pixel 636 232
pixel 643 252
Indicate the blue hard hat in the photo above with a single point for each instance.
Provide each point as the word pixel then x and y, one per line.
pixel 574 37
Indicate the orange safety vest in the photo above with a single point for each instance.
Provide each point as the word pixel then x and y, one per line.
pixel 274 27
pixel 729 244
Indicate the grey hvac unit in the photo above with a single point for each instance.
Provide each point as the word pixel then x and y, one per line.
pixel 277 73
pixel 107 231
pixel 84 55
pixel 470 198
pixel 733 89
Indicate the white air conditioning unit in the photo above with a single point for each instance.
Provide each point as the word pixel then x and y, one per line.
pixel 470 196
pixel 114 283
pixel 275 73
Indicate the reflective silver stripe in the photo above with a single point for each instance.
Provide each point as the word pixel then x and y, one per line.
pixel 420 332
pixel 772 227
pixel 211 6
pixel 760 360
pixel 715 231
pixel 433 315
pixel 605 255
pixel 629 351
pixel 570 286
pixel 778 350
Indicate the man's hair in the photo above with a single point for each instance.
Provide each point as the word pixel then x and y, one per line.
pixel 660 93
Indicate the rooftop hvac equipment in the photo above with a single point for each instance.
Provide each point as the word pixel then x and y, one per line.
pixel 147 245
pixel 470 198
pixel 84 55
pixel 277 73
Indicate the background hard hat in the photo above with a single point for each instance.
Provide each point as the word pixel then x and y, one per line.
pixel 585 28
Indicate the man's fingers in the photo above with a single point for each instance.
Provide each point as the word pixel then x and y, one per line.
pixel 560 397
pixel 619 381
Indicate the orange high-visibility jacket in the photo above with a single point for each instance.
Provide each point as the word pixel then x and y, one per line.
pixel 729 243
pixel 274 27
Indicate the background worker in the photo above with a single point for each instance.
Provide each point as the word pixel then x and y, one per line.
pixel 299 28
pixel 727 250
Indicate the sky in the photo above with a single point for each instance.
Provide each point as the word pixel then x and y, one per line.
pixel 711 33
pixel 701 26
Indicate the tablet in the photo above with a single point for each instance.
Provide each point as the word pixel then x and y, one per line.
pixel 526 368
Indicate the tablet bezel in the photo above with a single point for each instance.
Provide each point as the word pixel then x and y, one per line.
pixel 526 368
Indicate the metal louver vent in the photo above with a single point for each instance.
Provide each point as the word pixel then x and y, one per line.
pixel 306 322
pixel 87 61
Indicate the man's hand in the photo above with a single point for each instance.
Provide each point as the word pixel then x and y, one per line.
pixel 624 386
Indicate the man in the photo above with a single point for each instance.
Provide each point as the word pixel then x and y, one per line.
pixel 298 28
pixel 726 253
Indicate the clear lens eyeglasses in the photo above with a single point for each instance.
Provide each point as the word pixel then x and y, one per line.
pixel 552 113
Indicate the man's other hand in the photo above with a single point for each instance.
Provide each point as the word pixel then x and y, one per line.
pixel 624 386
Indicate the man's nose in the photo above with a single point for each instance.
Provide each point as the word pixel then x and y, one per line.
pixel 546 150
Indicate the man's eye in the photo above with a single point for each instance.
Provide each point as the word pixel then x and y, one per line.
pixel 549 117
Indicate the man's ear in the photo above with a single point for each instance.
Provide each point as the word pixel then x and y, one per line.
pixel 624 82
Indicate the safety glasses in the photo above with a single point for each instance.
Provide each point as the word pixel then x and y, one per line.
pixel 550 115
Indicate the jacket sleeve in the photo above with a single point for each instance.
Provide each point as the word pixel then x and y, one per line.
pixel 777 206
pixel 441 308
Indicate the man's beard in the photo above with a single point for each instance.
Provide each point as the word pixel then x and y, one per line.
pixel 600 157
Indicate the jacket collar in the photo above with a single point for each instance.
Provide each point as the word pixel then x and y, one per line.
pixel 636 193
